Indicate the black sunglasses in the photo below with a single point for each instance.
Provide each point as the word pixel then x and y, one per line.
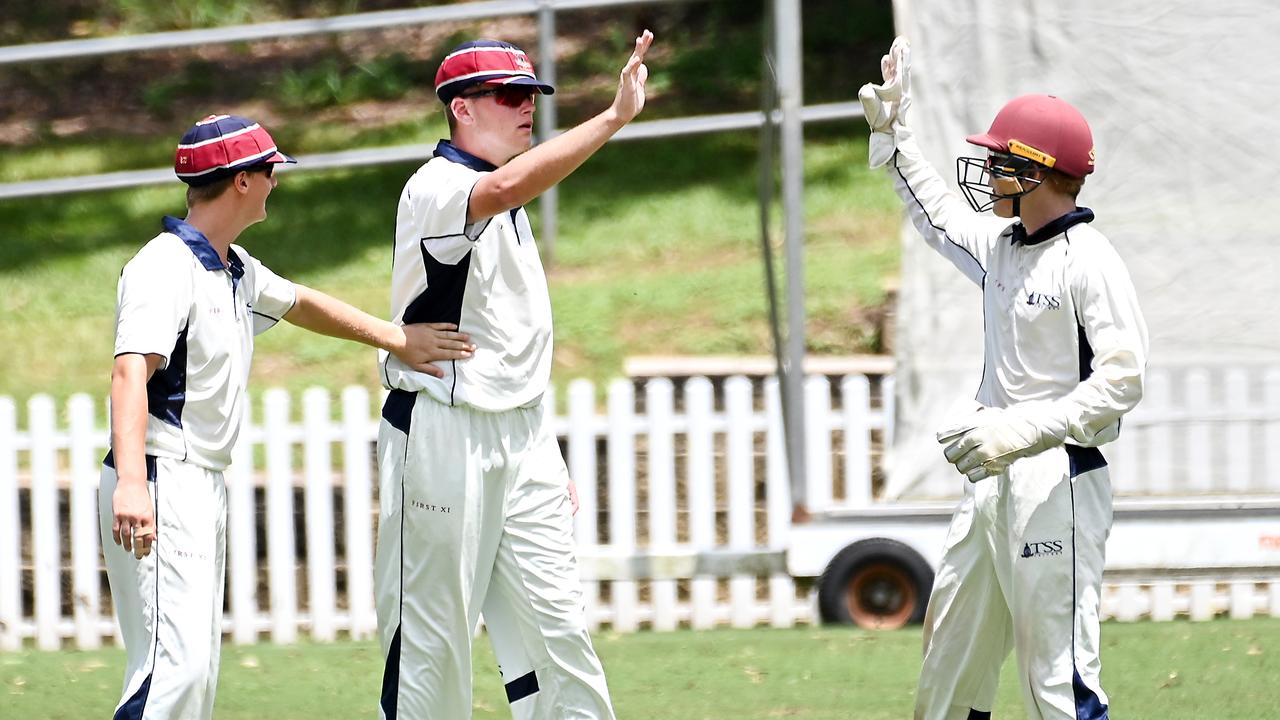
pixel 508 95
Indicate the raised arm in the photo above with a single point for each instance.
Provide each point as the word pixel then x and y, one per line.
pixel 417 345
pixel 941 217
pixel 530 174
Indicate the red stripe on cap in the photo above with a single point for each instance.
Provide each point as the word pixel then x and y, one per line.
pixel 224 153
pixel 483 60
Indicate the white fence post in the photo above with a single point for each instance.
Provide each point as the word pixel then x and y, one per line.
pixel 1242 597
pixel 740 461
pixel 1202 606
pixel 782 589
pixel 86 589
pixel 699 402
pixel 584 470
pixel 817 444
pixel 1271 429
pixel 856 391
pixel 1199 434
pixel 1158 475
pixel 281 555
pixel 660 407
pixel 357 503
pixel 318 470
pixel 46 541
pixel 10 527
pixel 1238 446
pixel 622 497
pixel 1162 601
pixel 242 535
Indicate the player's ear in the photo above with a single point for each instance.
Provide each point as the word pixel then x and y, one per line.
pixel 241 182
pixel 462 111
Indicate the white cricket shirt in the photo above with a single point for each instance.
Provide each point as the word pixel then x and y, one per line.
pixel 1061 314
pixel 486 277
pixel 176 299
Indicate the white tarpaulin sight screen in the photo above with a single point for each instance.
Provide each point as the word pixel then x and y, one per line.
pixel 1184 101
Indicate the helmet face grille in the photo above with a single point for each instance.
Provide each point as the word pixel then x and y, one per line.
pixel 975 177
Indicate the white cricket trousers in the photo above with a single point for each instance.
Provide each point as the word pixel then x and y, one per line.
pixel 1022 569
pixel 169 604
pixel 475 516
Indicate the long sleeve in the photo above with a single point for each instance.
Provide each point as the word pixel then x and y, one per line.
pixel 1112 324
pixel 945 221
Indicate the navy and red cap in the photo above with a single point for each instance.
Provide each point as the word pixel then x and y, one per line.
pixel 1044 129
pixel 220 146
pixel 486 62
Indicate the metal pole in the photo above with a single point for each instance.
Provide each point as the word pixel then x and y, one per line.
pixel 768 150
pixel 790 92
pixel 546 114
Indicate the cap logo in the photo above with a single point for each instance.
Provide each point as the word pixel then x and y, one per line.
pixel 1092 157
pixel 1022 149
pixel 522 62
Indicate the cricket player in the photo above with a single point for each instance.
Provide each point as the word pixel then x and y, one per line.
pixel 1065 353
pixel 189 305
pixel 476 507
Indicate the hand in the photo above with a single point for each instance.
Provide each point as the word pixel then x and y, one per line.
pixel 133 526
pixel 885 105
pixel 990 440
pixel 427 342
pixel 630 98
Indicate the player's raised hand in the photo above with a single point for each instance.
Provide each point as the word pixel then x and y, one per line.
pixel 630 98
pixel 885 105
pixel 425 343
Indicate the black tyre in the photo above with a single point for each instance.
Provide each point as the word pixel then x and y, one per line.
pixel 877 584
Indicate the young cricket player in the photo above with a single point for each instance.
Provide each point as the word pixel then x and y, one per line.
pixel 189 305
pixel 1065 353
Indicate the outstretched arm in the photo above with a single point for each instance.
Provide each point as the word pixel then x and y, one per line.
pixel 417 345
pixel 530 174
pixel 942 218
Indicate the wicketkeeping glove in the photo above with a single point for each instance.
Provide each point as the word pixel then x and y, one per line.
pixel 885 105
pixel 988 442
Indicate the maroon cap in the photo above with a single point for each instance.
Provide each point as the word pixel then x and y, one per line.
pixel 488 62
pixel 1044 129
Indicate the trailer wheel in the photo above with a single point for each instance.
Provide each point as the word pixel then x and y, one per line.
pixel 878 584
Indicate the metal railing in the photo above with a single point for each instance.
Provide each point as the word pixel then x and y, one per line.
pixel 67 49
pixel 405 153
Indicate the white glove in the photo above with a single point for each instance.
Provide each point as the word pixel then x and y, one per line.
pixel 885 106
pixel 986 443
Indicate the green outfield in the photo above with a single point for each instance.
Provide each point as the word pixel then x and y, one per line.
pixel 1170 671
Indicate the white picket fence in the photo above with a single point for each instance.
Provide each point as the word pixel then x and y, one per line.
pixel 685 507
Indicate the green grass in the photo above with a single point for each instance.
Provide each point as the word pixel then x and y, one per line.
pixel 1172 671
pixel 658 253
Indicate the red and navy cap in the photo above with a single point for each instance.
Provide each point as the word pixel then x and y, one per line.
pixel 220 146
pixel 485 62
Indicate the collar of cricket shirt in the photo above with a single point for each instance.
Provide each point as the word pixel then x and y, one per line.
pixel 1053 228
pixel 453 153
pixel 195 240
